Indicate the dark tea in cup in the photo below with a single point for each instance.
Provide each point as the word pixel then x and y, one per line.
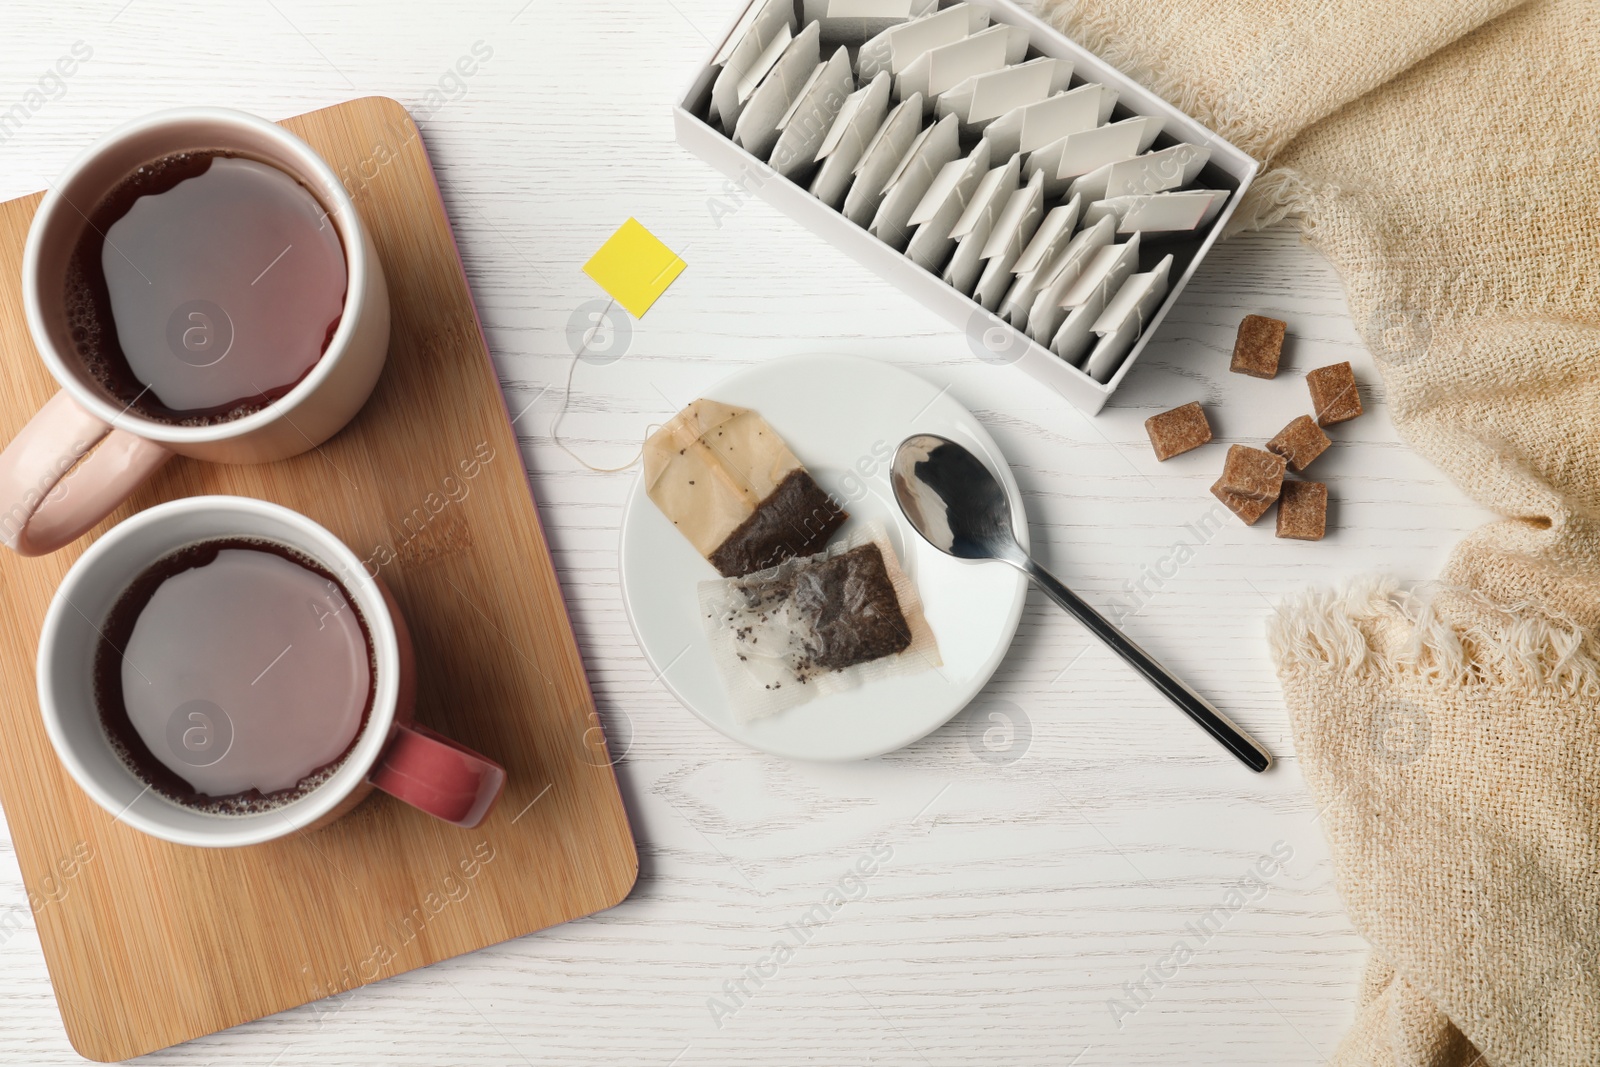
pixel 206 285
pixel 234 676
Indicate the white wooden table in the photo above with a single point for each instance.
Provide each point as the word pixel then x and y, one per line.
pixel 1035 875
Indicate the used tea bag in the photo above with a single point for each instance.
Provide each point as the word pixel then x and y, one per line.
pixel 811 627
pixel 732 487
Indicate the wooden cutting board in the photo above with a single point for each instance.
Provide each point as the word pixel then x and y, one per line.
pixel 149 944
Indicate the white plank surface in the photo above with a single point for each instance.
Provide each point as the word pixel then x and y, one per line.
pixel 1028 881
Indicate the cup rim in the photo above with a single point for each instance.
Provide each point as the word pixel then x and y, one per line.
pixel 232 830
pixel 342 210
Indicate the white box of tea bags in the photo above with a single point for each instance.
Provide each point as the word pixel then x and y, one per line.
pixel 1046 124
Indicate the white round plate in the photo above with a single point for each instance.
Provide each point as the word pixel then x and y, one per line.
pixel 843 416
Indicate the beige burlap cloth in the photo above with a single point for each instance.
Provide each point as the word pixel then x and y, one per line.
pixel 1445 156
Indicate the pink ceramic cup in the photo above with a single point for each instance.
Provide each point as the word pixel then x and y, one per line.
pixel 392 753
pixel 40 509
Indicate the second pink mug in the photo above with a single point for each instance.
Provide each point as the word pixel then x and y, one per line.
pixel 109 449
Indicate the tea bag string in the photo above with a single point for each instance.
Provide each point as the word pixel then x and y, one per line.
pixel 566 396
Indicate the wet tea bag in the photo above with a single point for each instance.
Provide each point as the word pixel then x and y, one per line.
pixel 735 490
pixel 811 627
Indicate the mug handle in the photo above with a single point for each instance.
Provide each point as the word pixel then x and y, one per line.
pixel 447 780
pixel 39 513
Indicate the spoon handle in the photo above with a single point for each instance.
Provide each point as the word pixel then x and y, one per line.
pixel 1193 704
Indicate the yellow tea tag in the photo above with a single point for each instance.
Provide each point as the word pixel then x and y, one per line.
pixel 634 267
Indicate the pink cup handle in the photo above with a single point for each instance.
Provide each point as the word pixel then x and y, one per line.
pixel 429 771
pixel 40 513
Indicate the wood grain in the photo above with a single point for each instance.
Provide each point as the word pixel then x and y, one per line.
pixel 1022 894
pixel 156 943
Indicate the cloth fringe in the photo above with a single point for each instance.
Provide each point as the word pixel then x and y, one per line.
pixel 1374 626
pixel 1277 195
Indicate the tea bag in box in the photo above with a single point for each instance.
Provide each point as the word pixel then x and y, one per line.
pixel 942 206
pixel 985 97
pixel 850 22
pixel 976 224
pixel 1015 228
pixel 937 146
pixel 1125 318
pixel 1031 270
pixel 881 159
pixel 762 41
pixel 757 128
pixel 735 490
pixel 846 144
pixel 897 47
pixel 810 118
pixel 1069 324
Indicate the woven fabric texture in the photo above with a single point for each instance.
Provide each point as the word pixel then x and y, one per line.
pixel 1443 156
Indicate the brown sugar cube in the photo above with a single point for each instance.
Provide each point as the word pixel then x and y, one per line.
pixel 1252 473
pixel 1300 442
pixel 1303 511
pixel 1334 394
pixel 1175 432
pixel 1247 509
pixel 1259 346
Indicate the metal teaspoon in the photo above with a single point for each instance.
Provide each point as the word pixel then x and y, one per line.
pixel 958 506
